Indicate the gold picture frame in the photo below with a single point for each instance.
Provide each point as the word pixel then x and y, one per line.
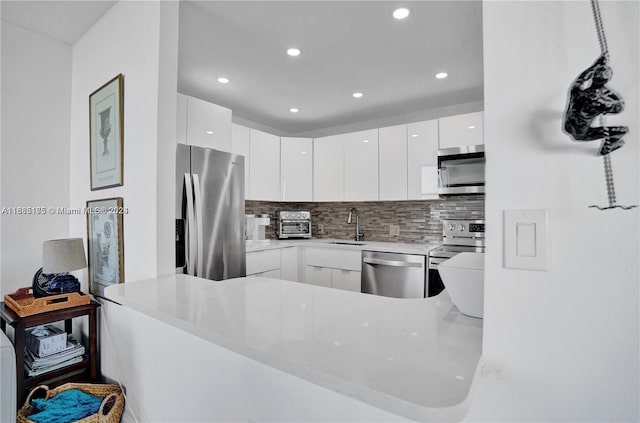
pixel 105 243
pixel 106 134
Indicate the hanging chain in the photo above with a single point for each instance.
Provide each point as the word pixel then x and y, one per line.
pixel 604 49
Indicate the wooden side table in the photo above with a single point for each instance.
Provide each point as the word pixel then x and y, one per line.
pixel 86 370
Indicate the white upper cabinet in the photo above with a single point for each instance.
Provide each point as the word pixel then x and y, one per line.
pixel 422 158
pixel 203 124
pixel 296 155
pixel 328 168
pixel 181 119
pixel 264 167
pixel 392 159
pixel 461 130
pixel 240 144
pixel 361 166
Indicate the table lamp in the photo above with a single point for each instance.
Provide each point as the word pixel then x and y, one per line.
pixel 59 256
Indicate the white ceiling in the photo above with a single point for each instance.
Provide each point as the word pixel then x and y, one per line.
pixel 64 21
pixel 346 46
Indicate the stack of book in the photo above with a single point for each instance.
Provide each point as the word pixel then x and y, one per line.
pixel 49 348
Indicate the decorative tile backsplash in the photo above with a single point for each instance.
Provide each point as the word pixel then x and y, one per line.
pixel 418 221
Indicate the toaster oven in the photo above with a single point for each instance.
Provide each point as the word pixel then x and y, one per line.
pixel 294 224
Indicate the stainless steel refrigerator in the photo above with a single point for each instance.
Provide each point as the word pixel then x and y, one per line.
pixel 210 237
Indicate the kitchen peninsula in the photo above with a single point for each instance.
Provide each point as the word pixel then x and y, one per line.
pixel 402 358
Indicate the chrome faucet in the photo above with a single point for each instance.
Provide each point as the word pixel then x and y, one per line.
pixel 349 220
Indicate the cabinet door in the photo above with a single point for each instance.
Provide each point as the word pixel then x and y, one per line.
pixel 345 279
pixel 263 261
pixel 361 166
pixel 328 168
pixel 264 170
pixel 208 125
pixel 296 155
pixel 422 151
pixel 181 119
pixel 318 276
pixel 392 158
pixel 290 264
pixel 461 130
pixel 240 144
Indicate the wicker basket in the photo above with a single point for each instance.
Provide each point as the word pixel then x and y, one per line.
pixel 110 410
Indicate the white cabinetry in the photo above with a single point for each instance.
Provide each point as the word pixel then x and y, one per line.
pixel 392 159
pixel 264 183
pixel 461 130
pixel 265 263
pixel 203 124
pixel 296 155
pixel 328 168
pixel 335 268
pixel 290 267
pixel 361 166
pixel 422 151
pixel 240 144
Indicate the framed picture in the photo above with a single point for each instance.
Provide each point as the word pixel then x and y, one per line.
pixel 106 135
pixel 105 243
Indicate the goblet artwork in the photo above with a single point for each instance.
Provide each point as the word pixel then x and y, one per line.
pixel 105 129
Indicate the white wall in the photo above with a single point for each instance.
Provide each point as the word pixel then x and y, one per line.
pixel 127 40
pixel 36 98
pixel 561 344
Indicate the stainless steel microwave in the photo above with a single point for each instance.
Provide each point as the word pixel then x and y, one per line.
pixel 461 170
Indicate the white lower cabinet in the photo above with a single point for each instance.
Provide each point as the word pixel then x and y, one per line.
pixel 261 262
pixel 290 265
pixel 316 275
pixel 335 268
pixel 348 280
pixel 332 268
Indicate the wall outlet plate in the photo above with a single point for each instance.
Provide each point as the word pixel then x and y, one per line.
pixel 394 230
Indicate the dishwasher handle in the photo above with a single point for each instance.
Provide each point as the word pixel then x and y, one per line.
pixel 394 263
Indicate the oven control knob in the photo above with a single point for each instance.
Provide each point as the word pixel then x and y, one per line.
pixel 452 227
pixel 461 227
pixel 298 215
pixel 286 215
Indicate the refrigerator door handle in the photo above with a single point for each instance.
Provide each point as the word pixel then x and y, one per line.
pixel 191 232
pixel 198 213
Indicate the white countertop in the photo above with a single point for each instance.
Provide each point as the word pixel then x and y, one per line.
pixel 388 247
pixel 412 357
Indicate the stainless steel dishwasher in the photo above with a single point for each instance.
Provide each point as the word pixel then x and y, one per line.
pixel 394 275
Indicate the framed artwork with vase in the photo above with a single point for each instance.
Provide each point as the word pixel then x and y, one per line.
pixel 105 243
pixel 106 134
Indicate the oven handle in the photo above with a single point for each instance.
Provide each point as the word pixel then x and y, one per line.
pixel 394 263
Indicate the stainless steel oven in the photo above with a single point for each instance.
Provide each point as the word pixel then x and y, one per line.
pixel 461 170
pixel 294 224
pixel 458 235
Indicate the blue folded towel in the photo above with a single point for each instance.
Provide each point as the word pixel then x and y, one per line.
pixel 65 407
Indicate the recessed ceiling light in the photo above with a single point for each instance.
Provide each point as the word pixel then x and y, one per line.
pixel 414 135
pixel 223 80
pixel 401 13
pixel 294 110
pixel 303 152
pixel 365 140
pixel 441 75
pixel 471 127
pixel 209 132
pixel 293 52
pixel 358 95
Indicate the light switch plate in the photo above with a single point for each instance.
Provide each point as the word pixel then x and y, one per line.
pixel 526 239
pixel 394 230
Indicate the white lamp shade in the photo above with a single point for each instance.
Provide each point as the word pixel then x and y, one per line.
pixel 63 255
